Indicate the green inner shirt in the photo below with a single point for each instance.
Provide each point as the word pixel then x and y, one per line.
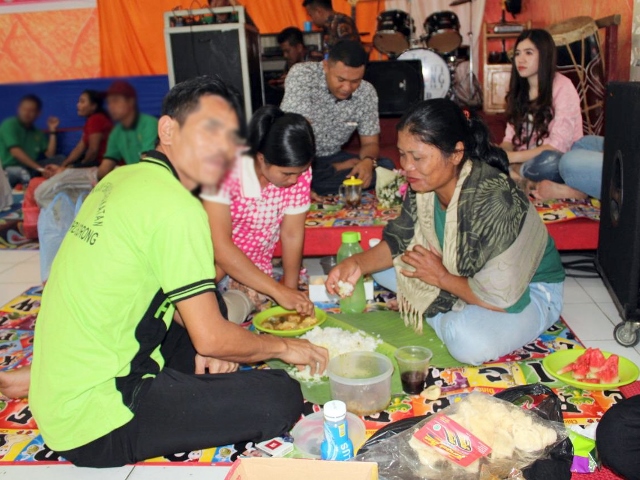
pixel 127 144
pixel 14 134
pixel 549 271
pixel 140 244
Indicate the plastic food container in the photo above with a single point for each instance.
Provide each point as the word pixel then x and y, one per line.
pixel 362 380
pixel 308 434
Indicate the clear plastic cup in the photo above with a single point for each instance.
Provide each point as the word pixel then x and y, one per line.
pixel 413 363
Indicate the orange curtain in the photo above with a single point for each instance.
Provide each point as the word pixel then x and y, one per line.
pixel 51 45
pixel 132 36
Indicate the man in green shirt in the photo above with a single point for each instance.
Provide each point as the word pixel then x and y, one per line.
pixel 112 380
pixel 24 149
pixel 135 132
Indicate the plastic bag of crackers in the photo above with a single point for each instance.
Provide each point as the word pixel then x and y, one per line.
pixel 478 438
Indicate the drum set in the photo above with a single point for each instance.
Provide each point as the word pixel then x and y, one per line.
pixel 445 61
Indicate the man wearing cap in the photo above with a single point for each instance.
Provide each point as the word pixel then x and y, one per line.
pixel 134 133
pixel 25 149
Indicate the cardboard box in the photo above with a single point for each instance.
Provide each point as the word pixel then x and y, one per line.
pixel 295 469
pixel 318 292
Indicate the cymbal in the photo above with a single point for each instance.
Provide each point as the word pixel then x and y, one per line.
pixel 458 2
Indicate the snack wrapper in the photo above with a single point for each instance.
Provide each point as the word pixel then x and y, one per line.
pixel 479 438
pixel 585 457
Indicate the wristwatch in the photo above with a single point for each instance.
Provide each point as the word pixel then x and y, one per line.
pixel 373 160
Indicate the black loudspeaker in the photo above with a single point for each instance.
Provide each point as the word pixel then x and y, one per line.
pixel 231 51
pixel 399 84
pixel 618 257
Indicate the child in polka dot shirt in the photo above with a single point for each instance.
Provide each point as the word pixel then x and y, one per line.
pixel 264 198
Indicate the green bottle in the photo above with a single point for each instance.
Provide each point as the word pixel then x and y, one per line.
pixel 357 302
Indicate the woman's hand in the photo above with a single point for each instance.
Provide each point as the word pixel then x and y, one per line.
pixel 213 365
pixel 294 300
pixel 427 264
pixel 348 271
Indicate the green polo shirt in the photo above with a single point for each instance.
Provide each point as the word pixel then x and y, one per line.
pixel 550 269
pixel 14 134
pixel 127 144
pixel 140 243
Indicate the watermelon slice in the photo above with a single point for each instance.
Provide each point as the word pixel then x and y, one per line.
pixel 593 367
pixel 581 370
pixel 596 359
pixel 609 371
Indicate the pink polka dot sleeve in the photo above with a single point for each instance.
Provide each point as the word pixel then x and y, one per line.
pixel 299 195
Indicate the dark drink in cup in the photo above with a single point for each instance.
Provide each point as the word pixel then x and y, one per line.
pixel 413 382
pixel 413 364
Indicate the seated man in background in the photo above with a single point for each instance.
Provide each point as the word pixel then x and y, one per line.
pixel 332 96
pixel 294 51
pixel 133 285
pixel 24 149
pixel 335 26
pixel 134 133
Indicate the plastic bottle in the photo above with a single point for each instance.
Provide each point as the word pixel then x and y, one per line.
pixel 336 445
pixel 357 302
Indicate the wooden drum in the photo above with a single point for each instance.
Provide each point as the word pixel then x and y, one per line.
pixel 579 58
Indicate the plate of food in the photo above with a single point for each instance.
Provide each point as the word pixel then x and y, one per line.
pixel 287 323
pixel 591 369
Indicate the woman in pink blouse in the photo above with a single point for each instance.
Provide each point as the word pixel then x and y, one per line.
pixel 543 110
pixel 264 198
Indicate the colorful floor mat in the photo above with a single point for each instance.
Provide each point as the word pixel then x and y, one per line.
pixel 20 441
pixel 331 213
pixel 11 228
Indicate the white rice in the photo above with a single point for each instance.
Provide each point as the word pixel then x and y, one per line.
pixel 337 341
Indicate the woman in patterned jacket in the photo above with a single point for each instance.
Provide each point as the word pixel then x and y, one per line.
pixel 469 251
pixel 265 198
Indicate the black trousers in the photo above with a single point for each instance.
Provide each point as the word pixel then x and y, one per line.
pixel 327 180
pixel 618 438
pixel 179 411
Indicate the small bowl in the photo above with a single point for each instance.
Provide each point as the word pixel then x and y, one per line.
pixel 362 380
pixel 308 433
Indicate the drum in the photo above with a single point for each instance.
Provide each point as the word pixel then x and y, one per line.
pixel 435 72
pixel 579 59
pixel 393 33
pixel 443 31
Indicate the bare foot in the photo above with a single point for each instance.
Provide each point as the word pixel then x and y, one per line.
pixel 15 383
pixel 548 190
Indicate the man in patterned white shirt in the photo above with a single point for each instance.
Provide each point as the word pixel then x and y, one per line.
pixel 336 100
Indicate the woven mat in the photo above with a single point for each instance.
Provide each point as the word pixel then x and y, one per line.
pixel 22 443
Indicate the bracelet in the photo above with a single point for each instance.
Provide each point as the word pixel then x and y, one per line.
pixel 373 160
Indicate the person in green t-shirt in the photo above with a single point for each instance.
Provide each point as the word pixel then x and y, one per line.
pixel 24 149
pixel 131 320
pixel 469 252
pixel 135 132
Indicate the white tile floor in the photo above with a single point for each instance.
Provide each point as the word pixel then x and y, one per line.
pixel 588 309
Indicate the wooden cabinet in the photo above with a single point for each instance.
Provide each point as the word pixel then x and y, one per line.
pixel 495 87
pixel 496 76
